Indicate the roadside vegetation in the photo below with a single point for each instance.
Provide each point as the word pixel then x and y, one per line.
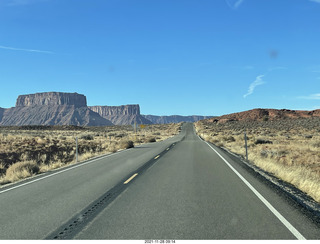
pixel 289 149
pixel 29 150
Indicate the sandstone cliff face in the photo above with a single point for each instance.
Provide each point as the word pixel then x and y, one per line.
pixel 121 115
pixel 132 109
pixel 52 108
pixel 174 118
pixel 52 98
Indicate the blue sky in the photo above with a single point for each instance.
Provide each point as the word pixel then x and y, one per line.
pixel 206 57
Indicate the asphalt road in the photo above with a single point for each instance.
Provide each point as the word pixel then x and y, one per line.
pixel 182 188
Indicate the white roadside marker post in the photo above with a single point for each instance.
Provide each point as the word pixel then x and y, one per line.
pixel 246 145
pixel 76 149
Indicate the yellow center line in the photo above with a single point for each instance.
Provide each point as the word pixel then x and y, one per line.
pixel 128 180
pixel 157 157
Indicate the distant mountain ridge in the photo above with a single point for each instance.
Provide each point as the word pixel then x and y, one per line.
pixel 174 118
pixel 121 115
pixel 59 108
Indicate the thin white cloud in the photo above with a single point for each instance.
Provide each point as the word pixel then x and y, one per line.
pixel 254 84
pixel 234 4
pixel 313 68
pixel 23 2
pixel 25 50
pixel 311 97
pixel 316 1
pixel 238 3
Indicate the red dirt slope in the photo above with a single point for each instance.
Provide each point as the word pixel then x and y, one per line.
pixel 266 114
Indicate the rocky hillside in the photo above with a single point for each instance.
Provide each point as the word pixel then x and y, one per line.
pixel 52 108
pixel 1 113
pixel 174 118
pixel 265 115
pixel 121 115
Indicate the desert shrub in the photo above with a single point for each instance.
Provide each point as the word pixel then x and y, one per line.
pixel 220 144
pixel 282 153
pixel 86 137
pixel 151 139
pixel 230 139
pixel 262 141
pixel 21 170
pixel 273 153
pixel 264 153
pixel 127 144
pixel 2 168
pixel 316 144
pixel 214 141
pixel 62 138
pixel 113 148
pixel 120 135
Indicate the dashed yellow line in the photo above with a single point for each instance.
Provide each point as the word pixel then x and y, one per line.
pixel 128 180
pixel 157 157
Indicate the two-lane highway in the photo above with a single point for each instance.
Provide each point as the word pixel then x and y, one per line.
pixel 189 190
pixel 191 193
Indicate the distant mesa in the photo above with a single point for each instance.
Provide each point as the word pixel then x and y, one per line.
pixel 129 114
pixel 52 98
pixel 121 115
pixel 52 108
pixel 131 109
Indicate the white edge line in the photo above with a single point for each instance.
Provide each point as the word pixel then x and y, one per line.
pixel 59 172
pixel 286 223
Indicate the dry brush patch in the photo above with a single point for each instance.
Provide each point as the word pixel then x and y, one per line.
pixel 29 150
pixel 289 149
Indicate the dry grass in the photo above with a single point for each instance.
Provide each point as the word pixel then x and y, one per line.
pixel 29 150
pixel 21 170
pixel 290 150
